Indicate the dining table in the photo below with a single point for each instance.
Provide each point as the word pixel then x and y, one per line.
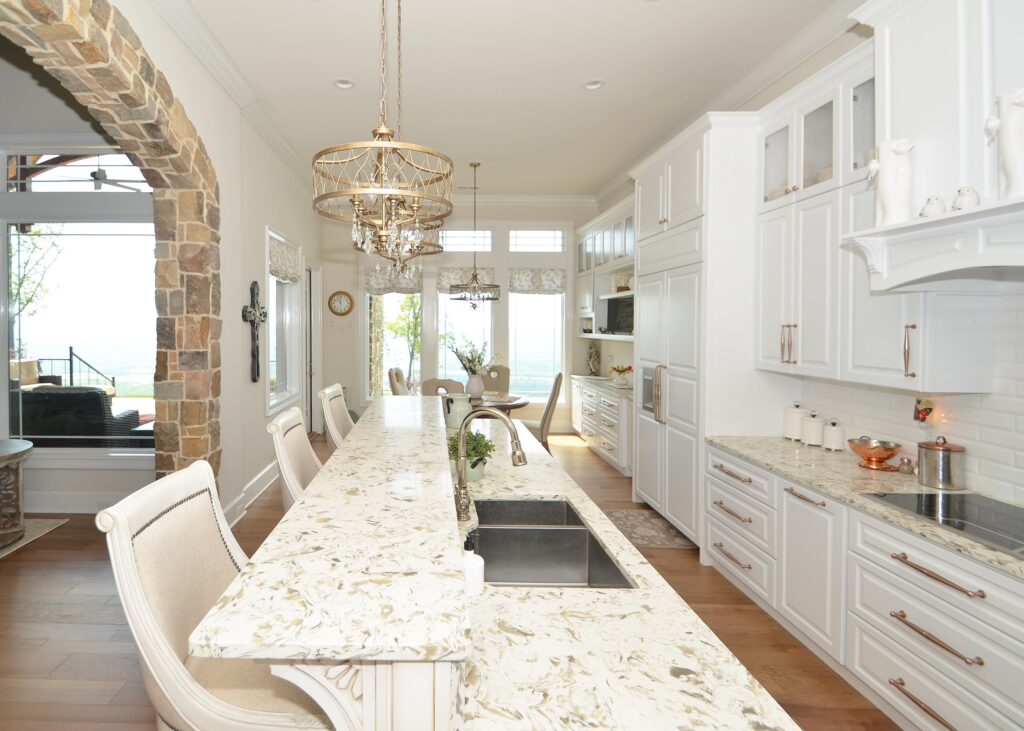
pixel 502 401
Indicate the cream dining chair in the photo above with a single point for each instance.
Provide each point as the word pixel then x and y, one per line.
pixel 499 381
pixel 336 417
pixel 173 556
pixel 296 459
pixel 542 428
pixel 396 379
pixel 431 386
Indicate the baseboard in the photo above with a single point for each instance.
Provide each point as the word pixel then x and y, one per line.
pixel 235 510
pixel 87 502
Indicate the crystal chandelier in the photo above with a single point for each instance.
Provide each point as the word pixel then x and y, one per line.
pixel 395 194
pixel 474 291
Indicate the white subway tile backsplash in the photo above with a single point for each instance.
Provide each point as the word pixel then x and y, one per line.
pixel 990 426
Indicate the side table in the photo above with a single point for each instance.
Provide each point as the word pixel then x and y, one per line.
pixel 13 453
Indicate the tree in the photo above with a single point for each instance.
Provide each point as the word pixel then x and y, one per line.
pixel 30 255
pixel 406 325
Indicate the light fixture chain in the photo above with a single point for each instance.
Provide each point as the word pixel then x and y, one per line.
pixel 399 127
pixel 383 62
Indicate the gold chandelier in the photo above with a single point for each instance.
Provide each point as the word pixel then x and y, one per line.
pixel 474 291
pixel 395 194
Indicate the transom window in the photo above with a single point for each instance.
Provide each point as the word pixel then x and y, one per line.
pixel 73 173
pixel 455 241
pixel 549 242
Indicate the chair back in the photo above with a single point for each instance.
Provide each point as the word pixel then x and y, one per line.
pixel 549 410
pixel 173 556
pixel 433 386
pixel 499 381
pixel 336 417
pixel 296 459
pixel 396 379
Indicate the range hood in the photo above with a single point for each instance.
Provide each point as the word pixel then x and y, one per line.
pixel 977 250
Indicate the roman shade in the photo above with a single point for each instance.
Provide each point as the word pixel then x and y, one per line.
pixel 447 276
pixel 384 280
pixel 284 260
pixel 536 281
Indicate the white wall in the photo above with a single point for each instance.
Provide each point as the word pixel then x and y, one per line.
pixel 990 426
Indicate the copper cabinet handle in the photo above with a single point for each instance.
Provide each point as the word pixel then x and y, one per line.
pixel 605 422
pixel 901 616
pixel 906 351
pixel 722 468
pixel 721 548
pixel 812 501
pixel 658 392
pixel 782 343
pixel 796 188
pixel 789 343
pixel 901 685
pixel 662 221
pixel 733 513
pixel 788 190
pixel 902 558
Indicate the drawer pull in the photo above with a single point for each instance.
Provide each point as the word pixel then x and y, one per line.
pixel 812 501
pixel 732 512
pixel 722 468
pixel 902 558
pixel 608 423
pixel 901 617
pixel 901 685
pixel 721 548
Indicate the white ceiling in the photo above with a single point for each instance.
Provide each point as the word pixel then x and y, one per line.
pixel 501 82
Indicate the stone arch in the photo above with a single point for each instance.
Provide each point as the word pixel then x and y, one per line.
pixel 91 49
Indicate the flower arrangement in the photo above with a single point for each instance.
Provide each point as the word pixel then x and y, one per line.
pixel 621 371
pixel 478 448
pixel 473 359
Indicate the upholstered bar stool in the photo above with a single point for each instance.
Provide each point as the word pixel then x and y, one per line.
pixel 396 379
pixel 296 460
pixel 173 556
pixel 336 417
pixel 500 379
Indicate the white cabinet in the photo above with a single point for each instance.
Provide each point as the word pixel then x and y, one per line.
pixel 670 190
pixel 585 294
pixel 577 407
pixel 798 300
pixel 602 415
pixel 607 241
pixel 812 561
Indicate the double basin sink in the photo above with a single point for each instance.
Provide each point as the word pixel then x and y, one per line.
pixel 541 543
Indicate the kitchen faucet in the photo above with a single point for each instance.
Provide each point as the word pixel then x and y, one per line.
pixel 518 456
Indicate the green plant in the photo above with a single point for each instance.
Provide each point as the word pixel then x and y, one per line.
pixel 478 448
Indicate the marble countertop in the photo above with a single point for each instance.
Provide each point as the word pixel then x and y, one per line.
pixel 837 474
pixel 366 564
pixel 605 384
pixel 553 658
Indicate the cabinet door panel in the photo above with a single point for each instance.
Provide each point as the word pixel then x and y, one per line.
pixel 684 183
pixel 773 277
pixel 816 265
pixel 650 192
pixel 649 451
pixel 683 310
pixel 650 336
pixel 681 479
pixel 585 293
pixel 776 164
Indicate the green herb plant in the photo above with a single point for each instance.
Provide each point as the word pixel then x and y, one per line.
pixel 478 448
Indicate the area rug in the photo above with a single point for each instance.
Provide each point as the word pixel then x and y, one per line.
pixel 34 528
pixel 647 529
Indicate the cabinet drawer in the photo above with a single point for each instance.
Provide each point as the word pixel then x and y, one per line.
pixel 753 520
pixel 589 412
pixel 989 664
pixel 590 396
pixel 942 573
pixel 911 687
pixel 609 403
pixel 741 559
pixel 747 479
pixel 610 447
pixel 588 430
pixel 608 424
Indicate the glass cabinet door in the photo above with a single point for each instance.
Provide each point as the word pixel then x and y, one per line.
pixel 776 164
pixel 581 258
pixel 628 236
pixel 818 144
pixel 862 125
pixel 589 251
pixel 617 244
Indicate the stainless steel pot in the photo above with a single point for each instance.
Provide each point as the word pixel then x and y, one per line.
pixel 941 465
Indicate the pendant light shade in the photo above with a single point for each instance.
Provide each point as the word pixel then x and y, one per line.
pixel 474 291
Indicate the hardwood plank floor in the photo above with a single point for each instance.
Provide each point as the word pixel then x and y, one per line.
pixel 67 661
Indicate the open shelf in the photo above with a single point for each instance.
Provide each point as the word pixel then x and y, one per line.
pixel 606 336
pixel 617 295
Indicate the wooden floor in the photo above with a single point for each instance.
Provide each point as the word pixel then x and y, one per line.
pixel 67 659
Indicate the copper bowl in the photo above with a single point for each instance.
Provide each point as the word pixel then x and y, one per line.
pixel 874 454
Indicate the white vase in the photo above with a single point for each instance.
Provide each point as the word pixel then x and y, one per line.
pixel 475 385
pixel 894 182
pixel 1008 129
pixel 620 380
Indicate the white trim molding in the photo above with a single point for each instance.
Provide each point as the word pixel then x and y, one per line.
pixel 236 509
pixel 90 458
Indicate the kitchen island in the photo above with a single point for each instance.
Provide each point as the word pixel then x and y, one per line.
pixel 358 597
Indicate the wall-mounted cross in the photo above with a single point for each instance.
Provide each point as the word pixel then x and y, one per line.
pixel 255 314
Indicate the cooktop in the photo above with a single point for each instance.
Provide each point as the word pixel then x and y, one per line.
pixel 997 524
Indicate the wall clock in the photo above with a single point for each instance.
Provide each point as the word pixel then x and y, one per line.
pixel 340 303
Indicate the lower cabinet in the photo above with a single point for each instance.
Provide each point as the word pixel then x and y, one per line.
pixel 577 406
pixel 602 418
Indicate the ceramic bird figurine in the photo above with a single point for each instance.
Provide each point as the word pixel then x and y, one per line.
pixel 933 206
pixel 966 197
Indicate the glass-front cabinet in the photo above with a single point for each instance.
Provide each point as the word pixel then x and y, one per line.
pixel 818 137
pixel 859 138
pixel 776 164
pixel 608 241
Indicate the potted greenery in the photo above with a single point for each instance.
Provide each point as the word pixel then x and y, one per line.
pixel 478 450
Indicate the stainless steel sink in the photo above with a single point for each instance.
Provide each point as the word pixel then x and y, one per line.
pixel 541 543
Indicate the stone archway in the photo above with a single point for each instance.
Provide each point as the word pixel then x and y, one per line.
pixel 91 49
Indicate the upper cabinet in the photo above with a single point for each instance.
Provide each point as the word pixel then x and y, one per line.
pixel 608 241
pixel 670 188
pixel 817 138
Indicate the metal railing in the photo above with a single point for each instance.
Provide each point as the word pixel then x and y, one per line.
pixel 75 371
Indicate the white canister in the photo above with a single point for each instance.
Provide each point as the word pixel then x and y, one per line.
pixel 812 430
pixel 791 421
pixel 834 438
pixel 456 408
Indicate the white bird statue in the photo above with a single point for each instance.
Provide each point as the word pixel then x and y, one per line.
pixel 966 197
pixel 934 206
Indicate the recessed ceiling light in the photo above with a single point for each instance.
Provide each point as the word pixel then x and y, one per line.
pixel 344 83
pixel 593 84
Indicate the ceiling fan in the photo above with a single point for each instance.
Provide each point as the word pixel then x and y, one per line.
pixel 99 179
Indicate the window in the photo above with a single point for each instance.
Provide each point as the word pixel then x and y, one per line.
pixel 535 342
pixel 81 356
pixel 79 172
pixel 456 241
pixel 396 321
pixel 284 321
pixel 547 242
pixel 459 324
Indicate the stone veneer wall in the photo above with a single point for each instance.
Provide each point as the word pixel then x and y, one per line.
pixel 90 48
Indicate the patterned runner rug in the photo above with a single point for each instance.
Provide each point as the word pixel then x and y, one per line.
pixel 647 529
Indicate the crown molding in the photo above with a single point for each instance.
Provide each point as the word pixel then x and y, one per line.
pixel 193 31
pixel 534 201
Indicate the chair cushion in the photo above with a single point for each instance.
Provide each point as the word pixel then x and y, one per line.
pixel 249 684
pixel 531 424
